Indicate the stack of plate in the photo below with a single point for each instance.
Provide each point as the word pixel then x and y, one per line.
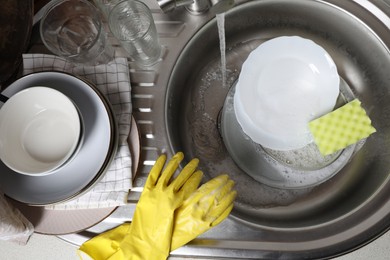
pixel 96 151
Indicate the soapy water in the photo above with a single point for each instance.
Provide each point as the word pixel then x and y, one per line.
pixel 306 158
pixel 252 193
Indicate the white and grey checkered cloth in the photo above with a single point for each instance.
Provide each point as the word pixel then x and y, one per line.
pixel 113 81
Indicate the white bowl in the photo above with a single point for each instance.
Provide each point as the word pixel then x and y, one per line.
pixel 285 83
pixel 39 130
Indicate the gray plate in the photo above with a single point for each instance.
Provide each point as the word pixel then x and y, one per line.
pixel 99 142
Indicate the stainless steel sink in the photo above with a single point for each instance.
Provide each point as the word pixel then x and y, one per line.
pixel 177 105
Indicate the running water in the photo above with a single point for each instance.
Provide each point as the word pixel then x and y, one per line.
pixel 222 45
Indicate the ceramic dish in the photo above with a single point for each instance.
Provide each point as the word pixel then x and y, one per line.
pixel 100 139
pixel 285 83
pixel 39 130
pixel 60 222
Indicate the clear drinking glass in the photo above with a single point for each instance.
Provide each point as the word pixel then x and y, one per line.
pixel 131 22
pixel 73 29
pixel 106 5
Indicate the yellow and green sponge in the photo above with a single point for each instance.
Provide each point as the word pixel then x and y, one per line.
pixel 341 128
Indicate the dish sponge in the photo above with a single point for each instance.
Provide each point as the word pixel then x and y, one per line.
pixel 341 128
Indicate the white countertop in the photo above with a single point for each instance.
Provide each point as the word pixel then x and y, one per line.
pixel 45 247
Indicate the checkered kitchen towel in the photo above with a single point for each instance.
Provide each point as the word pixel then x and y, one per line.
pixel 113 81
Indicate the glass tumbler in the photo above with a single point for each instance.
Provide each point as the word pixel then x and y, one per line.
pixel 131 22
pixel 73 29
pixel 106 5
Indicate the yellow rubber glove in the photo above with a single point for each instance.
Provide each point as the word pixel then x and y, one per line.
pixel 200 211
pixel 150 235
pixel 105 244
pixel 204 209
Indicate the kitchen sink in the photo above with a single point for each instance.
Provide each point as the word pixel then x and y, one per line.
pixel 177 105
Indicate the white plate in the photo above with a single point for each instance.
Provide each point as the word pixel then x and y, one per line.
pixel 95 153
pixel 285 83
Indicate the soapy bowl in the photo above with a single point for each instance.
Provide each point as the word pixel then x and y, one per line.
pixel 285 83
pixel 40 130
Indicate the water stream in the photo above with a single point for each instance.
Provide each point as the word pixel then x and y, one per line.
pixel 222 45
